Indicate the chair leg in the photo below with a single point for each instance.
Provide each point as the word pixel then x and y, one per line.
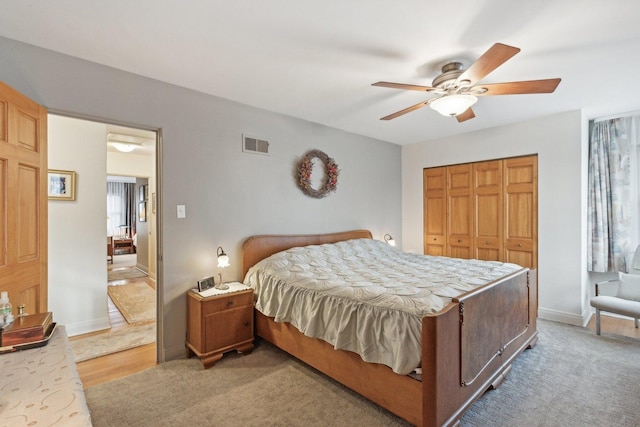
pixel 636 322
pixel 597 321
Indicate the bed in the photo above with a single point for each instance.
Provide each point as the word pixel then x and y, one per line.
pixel 466 347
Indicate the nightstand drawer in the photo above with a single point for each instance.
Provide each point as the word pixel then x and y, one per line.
pixel 226 302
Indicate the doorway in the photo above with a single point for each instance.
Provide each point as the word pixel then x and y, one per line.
pixel 79 262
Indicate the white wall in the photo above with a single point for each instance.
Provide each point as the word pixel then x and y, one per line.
pixel 560 144
pixel 77 237
pixel 129 164
pixel 229 195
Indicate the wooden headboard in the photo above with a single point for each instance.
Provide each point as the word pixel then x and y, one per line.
pixel 257 248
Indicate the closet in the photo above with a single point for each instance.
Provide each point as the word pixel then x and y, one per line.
pixel 484 210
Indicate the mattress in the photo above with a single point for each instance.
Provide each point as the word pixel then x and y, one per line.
pixel 365 296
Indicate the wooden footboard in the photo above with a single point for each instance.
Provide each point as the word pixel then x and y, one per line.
pixel 466 348
pixel 469 346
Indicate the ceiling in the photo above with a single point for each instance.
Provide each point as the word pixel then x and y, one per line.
pixel 143 141
pixel 316 59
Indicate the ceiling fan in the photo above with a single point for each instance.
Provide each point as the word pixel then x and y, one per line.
pixel 458 89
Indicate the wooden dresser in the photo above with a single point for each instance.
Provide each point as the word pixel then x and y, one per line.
pixel 218 322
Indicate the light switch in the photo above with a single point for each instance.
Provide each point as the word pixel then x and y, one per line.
pixel 182 212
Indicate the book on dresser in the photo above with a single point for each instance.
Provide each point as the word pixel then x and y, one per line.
pixel 27 329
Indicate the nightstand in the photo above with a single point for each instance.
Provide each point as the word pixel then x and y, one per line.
pixel 219 321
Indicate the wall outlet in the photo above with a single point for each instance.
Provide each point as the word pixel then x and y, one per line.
pixel 182 212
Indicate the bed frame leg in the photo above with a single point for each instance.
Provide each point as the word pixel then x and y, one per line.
pixel 533 343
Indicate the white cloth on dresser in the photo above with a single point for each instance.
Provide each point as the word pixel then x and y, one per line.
pixel 364 296
pixel 41 386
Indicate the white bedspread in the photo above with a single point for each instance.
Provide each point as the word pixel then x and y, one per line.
pixel 364 296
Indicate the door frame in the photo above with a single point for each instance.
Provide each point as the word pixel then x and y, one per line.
pixel 158 226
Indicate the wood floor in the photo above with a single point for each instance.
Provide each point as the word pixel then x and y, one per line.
pixel 117 365
pixel 615 325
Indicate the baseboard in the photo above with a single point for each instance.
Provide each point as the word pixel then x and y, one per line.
pixel 81 328
pixel 562 317
pixel 142 267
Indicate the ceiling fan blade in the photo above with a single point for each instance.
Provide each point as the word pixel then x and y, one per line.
pixel 518 88
pixel 404 86
pixel 467 114
pixel 407 110
pixel 497 55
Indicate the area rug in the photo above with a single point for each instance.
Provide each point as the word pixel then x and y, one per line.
pixel 112 342
pixel 125 273
pixel 136 301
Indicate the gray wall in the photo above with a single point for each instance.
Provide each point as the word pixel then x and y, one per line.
pixel 229 195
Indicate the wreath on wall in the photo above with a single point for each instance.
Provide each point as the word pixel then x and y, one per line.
pixel 329 180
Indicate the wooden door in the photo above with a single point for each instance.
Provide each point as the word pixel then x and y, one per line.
pixel 488 201
pixel 521 210
pixel 23 200
pixel 459 211
pixel 435 211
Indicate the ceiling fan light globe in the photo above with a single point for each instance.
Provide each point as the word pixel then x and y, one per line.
pixel 452 105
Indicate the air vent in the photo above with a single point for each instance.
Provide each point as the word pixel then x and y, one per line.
pixel 252 144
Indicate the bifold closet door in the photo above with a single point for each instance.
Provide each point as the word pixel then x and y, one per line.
pixel 521 210
pixel 435 211
pixel 488 200
pixel 460 211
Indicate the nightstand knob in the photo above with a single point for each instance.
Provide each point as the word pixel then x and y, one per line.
pixel 246 323
pixel 229 303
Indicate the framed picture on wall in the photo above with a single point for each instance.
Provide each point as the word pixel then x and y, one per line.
pixel 61 185
pixel 142 211
pixel 143 193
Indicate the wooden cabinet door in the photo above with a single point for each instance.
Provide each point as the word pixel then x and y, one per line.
pixel 228 328
pixel 435 211
pixel 521 210
pixel 23 200
pixel 488 206
pixel 459 211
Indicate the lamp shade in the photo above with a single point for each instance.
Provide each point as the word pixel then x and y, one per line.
pixel 389 240
pixel 452 105
pixel 223 259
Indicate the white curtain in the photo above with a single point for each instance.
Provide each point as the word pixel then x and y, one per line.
pixel 119 209
pixel 614 205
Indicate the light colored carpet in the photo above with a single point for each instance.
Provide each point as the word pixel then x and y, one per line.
pixel 113 342
pixel 571 378
pixel 125 273
pixel 136 301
